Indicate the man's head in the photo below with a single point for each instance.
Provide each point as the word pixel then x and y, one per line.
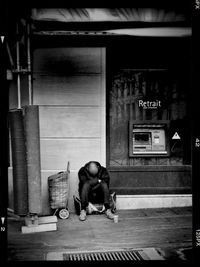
pixel 93 168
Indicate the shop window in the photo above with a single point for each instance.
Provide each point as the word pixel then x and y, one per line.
pixel 149 96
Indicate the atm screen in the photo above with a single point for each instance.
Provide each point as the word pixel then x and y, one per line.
pixel 142 138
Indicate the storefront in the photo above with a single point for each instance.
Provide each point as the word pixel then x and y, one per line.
pixel 109 90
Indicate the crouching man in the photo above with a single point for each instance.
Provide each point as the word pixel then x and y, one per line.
pixel 94 178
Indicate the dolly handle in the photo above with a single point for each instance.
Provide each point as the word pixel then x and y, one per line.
pixel 68 167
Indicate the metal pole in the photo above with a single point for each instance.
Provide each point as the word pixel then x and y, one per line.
pixel 18 72
pixel 30 91
pixel 10 56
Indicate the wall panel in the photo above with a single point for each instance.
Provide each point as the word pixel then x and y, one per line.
pixel 56 153
pixel 68 61
pixel 70 122
pixel 61 90
pixel 69 87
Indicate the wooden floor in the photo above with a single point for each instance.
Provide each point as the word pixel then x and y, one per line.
pixel 167 230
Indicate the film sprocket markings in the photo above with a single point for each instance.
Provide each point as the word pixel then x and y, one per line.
pixel 149 104
pixel 197 4
pixel 197 142
pixel 3 229
pixel 198 237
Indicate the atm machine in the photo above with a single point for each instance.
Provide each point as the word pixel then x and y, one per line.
pixel 148 139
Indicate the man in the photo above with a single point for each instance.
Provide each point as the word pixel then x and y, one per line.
pixel 94 178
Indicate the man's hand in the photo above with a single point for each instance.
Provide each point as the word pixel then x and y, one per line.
pixel 94 181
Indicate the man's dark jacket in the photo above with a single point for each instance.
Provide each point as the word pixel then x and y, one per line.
pixel 85 176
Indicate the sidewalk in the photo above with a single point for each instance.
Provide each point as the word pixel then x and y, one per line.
pixel 167 231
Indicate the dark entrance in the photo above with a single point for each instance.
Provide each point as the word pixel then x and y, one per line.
pixel 149 69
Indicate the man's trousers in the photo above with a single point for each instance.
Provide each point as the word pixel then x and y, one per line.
pixel 95 194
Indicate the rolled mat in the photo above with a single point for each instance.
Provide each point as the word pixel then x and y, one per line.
pixel 20 182
pixel 31 126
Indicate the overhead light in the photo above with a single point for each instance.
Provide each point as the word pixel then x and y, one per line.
pixel 155 32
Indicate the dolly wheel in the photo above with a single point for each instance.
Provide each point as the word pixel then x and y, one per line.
pixel 63 214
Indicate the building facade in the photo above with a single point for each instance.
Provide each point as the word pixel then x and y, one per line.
pixel 119 95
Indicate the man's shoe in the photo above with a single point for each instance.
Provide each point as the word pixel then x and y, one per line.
pixel 109 214
pixel 82 216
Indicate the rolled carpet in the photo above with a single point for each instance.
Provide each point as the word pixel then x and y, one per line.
pixel 31 126
pixel 20 182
